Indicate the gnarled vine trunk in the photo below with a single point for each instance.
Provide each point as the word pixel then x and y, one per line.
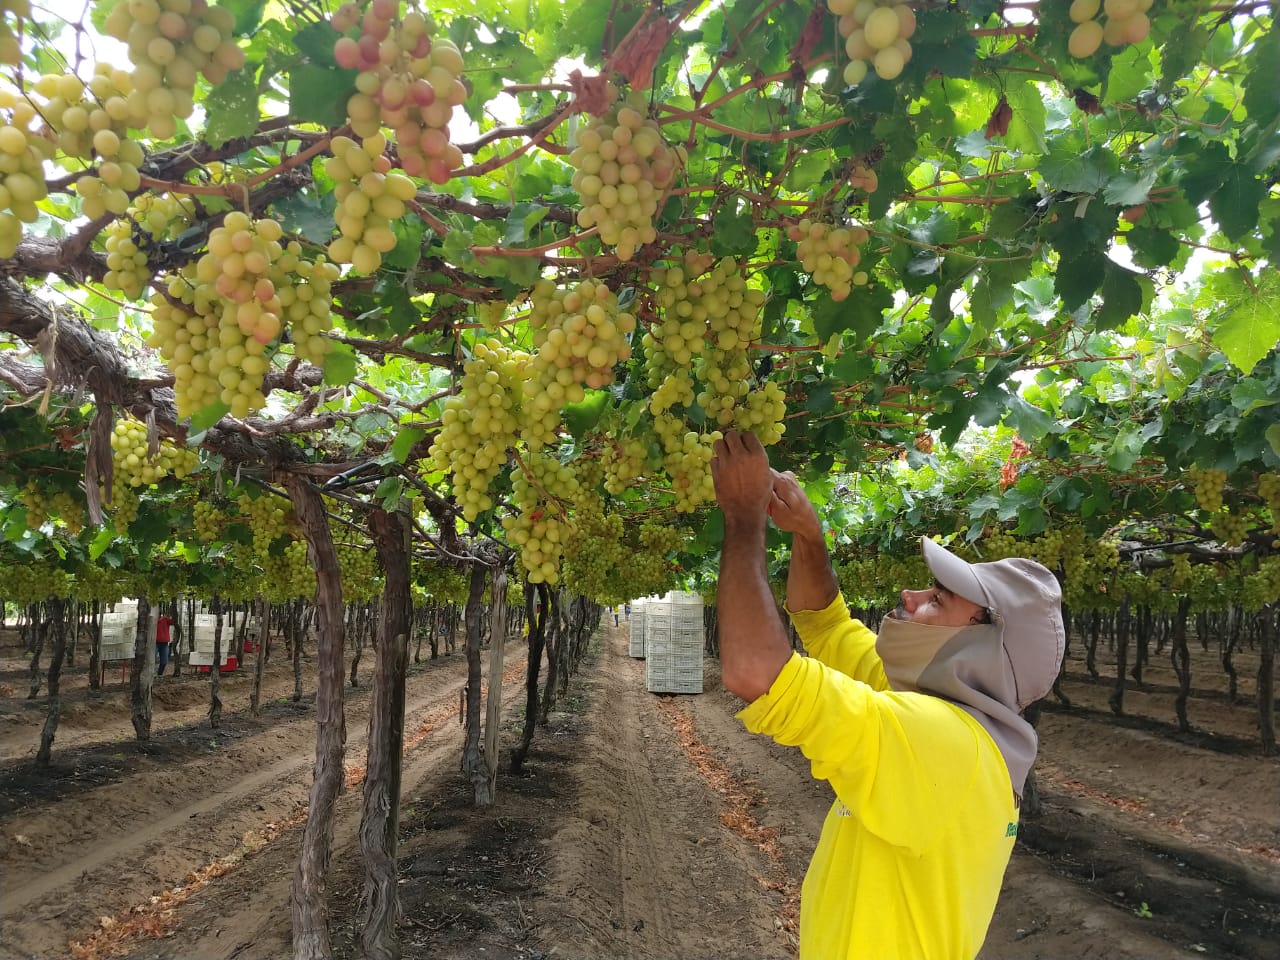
pixel 142 672
pixel 473 767
pixel 55 619
pixel 493 706
pixel 307 895
pixel 535 604
pixel 380 818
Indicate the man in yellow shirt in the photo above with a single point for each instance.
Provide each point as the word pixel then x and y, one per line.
pixel 918 730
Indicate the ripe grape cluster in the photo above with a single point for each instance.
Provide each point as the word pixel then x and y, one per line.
pixel 169 43
pixel 33 582
pixel 22 158
pixel 42 506
pixel 130 463
pixel 622 169
pixel 1229 527
pixel 1126 22
pixel 152 219
pixel 235 300
pixel 409 81
pixel 1262 587
pixel 207 521
pixel 360 573
pixel 877 35
pixel 1269 491
pixel 370 198
pixel 290 574
pixel 541 531
pixel 1209 485
pixel 122 506
pixel 266 519
pixel 479 423
pixel 624 461
pixel 10 49
pixel 580 334
pixel 830 254
pixel 597 558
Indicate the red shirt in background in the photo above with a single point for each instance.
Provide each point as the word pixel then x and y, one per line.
pixel 162 629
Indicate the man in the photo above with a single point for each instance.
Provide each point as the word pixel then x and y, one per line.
pixel 163 639
pixel 917 730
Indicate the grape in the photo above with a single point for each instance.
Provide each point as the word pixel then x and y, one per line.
pixel 623 167
pixel 265 517
pixel 206 520
pixel 131 463
pixel 541 531
pixel 877 35
pixel 1126 22
pixel 409 81
pixel 480 423
pixel 169 42
pixel 1209 485
pixel 829 253
pixel 624 461
pixel 864 178
pixel 22 174
pixel 580 335
pixel 10 48
pixel 66 508
pixel 152 219
pixel 361 575
pixel 370 199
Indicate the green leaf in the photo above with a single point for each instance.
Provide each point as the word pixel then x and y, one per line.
pixel 205 418
pixel 339 365
pixel 406 439
pixel 319 94
pixel 231 108
pixel 1026 129
pixel 306 214
pixel 581 417
pixel 1235 204
pixel 99 544
pixel 389 492
pixel 1121 296
pixel 1152 248
pixel 1250 321
pixel 248 14
pixel 1077 279
pixel 1273 437
pixel 409 232
pixel 734 234
pixel 712 532
pixel 1129 187
pixel 1130 74
pixel 316 40
pixel 524 216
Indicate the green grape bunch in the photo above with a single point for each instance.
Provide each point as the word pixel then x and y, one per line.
pixel 623 168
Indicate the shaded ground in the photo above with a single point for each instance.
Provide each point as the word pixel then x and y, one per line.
pixel 643 826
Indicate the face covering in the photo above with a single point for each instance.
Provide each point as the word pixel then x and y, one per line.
pixel 969 667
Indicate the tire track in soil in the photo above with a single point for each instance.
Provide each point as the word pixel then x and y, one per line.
pixel 642 865
pixel 261 926
pixel 99 876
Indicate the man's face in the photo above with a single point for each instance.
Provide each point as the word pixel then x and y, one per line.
pixel 938 606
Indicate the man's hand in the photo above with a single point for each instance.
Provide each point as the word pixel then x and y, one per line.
pixel 791 508
pixel 744 482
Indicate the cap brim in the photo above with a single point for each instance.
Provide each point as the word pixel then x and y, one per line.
pixel 953 573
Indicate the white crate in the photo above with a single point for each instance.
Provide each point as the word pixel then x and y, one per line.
pixel 638 617
pixel 673 641
pixel 200 658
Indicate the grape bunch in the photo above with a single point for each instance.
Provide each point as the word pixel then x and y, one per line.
pixel 206 520
pixel 864 178
pixel 1262 587
pixel 830 254
pixel 42 506
pixel 1269 491
pixel 130 463
pixel 624 461
pixel 289 575
pixel 541 531
pixel 1209 485
pixel 10 48
pixel 596 558
pixel 680 333
pixel 122 506
pixel 152 219
pixel 1229 527
pixel 408 81
pixel 33 582
pixel 169 43
pixel 687 461
pixel 266 519
pixel 22 157
pixel 877 35
pixel 1126 22
pixel 361 575
pixel 479 423
pixel 622 168
pixel 370 198
pixel 580 333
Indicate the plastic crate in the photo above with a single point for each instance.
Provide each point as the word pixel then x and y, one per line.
pixel 638 617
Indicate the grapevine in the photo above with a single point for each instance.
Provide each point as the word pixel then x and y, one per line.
pixel 877 35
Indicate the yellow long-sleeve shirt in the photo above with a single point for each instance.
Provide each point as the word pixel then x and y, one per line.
pixel 914 848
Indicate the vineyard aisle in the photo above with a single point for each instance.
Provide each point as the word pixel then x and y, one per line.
pixel 654 826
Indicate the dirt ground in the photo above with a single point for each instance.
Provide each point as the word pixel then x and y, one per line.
pixel 643 825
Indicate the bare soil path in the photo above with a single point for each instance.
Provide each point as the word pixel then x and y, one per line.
pixel 643 826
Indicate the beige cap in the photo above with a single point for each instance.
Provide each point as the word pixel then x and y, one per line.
pixel 1025 598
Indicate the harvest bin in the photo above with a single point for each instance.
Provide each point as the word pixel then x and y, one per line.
pixel 673 644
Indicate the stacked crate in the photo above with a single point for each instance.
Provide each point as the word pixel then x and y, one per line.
pixel 636 648
pixel 673 641
pixel 119 631
pixel 202 641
